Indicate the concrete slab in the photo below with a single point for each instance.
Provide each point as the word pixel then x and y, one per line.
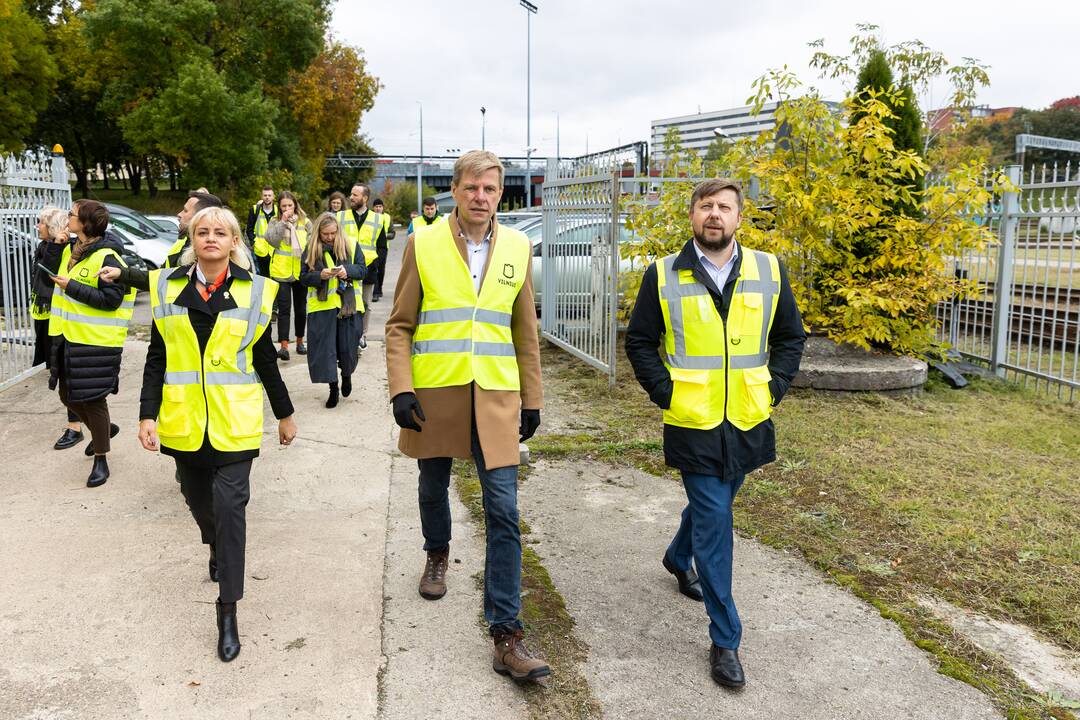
pixel 828 366
pixel 810 649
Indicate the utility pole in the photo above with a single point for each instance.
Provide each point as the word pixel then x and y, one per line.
pixel 558 155
pixel 530 11
pixel 420 165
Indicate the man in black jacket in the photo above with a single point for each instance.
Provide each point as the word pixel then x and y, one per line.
pixel 715 311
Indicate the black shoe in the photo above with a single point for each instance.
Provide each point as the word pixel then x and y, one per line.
pixel 114 430
pixel 68 439
pixel 213 564
pixel 346 385
pixel 333 399
pixel 228 643
pixel 376 297
pixel 689 585
pixel 726 668
pixel 100 472
pixel 283 354
pixel 301 348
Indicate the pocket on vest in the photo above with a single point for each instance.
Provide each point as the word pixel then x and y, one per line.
pixel 244 404
pixel 690 399
pixel 750 398
pixel 174 420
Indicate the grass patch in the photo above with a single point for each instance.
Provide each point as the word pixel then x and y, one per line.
pixel 549 628
pixel 967 495
pixel 166 202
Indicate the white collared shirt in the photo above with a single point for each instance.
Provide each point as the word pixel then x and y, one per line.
pixel 719 275
pixel 478 255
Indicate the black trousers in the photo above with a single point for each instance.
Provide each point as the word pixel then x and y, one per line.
pixel 380 269
pixel 291 297
pixel 218 498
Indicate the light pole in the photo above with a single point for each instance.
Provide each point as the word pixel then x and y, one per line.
pixel 483 127
pixel 530 11
pixel 420 165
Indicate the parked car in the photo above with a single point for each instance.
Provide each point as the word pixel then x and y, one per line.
pixel 167 223
pixel 516 218
pixel 146 239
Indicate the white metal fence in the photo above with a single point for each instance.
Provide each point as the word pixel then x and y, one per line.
pixel 1023 323
pixel 28 183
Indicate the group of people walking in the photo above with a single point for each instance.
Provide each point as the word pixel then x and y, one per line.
pixel 715 339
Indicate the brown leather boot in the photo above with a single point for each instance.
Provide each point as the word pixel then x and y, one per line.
pixel 433 581
pixel 511 657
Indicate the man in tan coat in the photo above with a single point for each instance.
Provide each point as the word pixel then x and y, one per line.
pixel 463 362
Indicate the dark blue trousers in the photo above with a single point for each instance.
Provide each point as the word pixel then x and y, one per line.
pixel 706 536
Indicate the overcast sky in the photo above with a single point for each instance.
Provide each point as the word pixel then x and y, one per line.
pixel 608 68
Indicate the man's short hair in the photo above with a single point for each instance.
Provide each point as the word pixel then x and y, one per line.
pixel 477 162
pixel 268 187
pixel 378 201
pixel 367 191
pixel 204 200
pixel 708 188
pixel 429 201
pixel 94 217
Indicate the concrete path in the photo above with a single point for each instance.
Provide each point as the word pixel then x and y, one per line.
pixel 810 649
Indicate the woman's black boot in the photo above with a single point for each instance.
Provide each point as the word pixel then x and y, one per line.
pixel 228 644
pixel 100 472
pixel 332 400
pixel 346 385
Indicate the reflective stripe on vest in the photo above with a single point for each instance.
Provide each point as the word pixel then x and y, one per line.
pixel 215 393
pixel 262 221
pixel 719 369
pixel 333 298
pixel 82 323
pixel 461 336
pixel 365 239
pixel 173 258
pixel 284 265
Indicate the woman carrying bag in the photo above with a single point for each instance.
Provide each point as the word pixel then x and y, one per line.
pixel 287 238
pixel 332 277
pixel 209 362
pixel 88 325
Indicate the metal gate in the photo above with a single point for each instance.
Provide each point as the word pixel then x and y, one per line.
pixel 1024 322
pixel 579 253
pixel 28 184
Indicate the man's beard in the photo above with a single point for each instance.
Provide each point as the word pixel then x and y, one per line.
pixel 356 205
pixel 715 245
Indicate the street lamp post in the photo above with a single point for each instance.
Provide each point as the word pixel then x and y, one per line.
pixel 530 11
pixel 483 127
pixel 420 165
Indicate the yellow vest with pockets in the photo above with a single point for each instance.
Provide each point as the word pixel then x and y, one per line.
pixel 216 393
pixel 461 336
pixel 719 369
pixel 364 236
pixel 81 323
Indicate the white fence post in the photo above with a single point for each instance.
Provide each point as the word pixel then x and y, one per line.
pixel 1003 286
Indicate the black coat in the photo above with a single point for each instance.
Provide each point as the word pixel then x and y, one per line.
pixel 332 341
pixel 203 316
pixel 90 372
pixel 725 451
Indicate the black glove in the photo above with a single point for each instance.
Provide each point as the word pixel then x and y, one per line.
pixel 405 404
pixel 530 420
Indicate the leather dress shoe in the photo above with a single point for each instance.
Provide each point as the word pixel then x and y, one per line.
pixel 68 439
pixel 228 644
pixel 301 348
pixel 689 584
pixel 213 564
pixel 114 430
pixel 100 472
pixel 283 354
pixel 726 668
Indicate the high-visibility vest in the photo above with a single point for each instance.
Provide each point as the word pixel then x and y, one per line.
pixel 333 299
pixel 364 236
pixel 422 222
pixel 177 249
pixel 259 246
pixel 386 223
pixel 215 393
pixel 81 323
pixel 719 369
pixel 461 336
pixel 284 261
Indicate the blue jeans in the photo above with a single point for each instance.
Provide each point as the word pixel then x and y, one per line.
pixel 706 536
pixel 502 568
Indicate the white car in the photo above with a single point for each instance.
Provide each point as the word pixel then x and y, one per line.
pixel 168 223
pixel 153 250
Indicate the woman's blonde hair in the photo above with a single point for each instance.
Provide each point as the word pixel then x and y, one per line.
pixel 55 221
pixel 315 249
pixel 225 217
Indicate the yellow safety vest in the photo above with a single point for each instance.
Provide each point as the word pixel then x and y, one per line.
pixel 80 323
pixel 175 251
pixel 260 247
pixel 284 264
pixel 333 299
pixel 386 222
pixel 719 369
pixel 461 336
pixel 216 393
pixel 364 236
pixel 421 222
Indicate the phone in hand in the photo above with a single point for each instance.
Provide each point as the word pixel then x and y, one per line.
pixel 47 271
